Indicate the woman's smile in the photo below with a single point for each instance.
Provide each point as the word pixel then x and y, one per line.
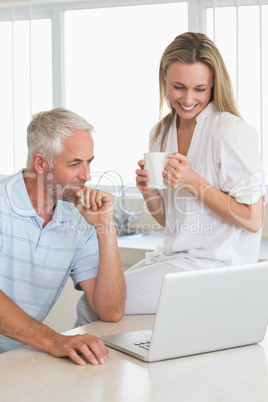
pixel 188 108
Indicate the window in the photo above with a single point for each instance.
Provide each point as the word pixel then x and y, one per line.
pixel 101 59
pixel 26 85
pixel 243 43
pixel 111 75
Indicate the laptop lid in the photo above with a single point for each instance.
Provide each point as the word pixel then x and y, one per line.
pixel 203 311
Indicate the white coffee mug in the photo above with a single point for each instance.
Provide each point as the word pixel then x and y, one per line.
pixel 155 164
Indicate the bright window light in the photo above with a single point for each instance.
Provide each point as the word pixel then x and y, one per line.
pixel 6 100
pixel 26 84
pixel 111 64
pixel 239 42
pixel 249 64
pixel 265 87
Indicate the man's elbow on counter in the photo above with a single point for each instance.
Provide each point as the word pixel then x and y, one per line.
pixel 112 315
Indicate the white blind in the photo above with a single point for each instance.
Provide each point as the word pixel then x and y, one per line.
pixel 25 82
pixel 241 34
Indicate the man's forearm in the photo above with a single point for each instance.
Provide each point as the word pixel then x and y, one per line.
pixel 16 324
pixel 110 290
pixel 106 293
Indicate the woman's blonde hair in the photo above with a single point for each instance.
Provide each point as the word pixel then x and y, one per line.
pixel 191 48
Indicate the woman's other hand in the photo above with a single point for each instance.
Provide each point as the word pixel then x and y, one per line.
pixel 142 177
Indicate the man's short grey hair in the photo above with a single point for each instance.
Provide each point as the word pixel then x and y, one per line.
pixel 47 130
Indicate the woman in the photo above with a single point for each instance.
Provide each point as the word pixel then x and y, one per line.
pixel 212 210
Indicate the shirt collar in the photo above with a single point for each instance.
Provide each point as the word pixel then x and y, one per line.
pixel 21 204
pixel 205 112
pixel 64 211
pixel 18 195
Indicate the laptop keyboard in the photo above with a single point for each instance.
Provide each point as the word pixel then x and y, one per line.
pixel 144 345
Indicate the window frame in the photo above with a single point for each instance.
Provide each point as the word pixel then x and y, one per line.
pixel 54 10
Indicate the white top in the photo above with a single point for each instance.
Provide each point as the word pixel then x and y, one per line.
pixel 224 152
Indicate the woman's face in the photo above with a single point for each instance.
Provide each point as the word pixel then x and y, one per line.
pixel 188 87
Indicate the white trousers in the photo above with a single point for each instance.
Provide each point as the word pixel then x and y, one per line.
pixel 143 283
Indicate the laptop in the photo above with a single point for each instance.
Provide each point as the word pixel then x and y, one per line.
pixel 203 311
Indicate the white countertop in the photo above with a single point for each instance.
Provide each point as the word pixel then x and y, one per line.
pixel 149 241
pixel 142 241
pixel 233 375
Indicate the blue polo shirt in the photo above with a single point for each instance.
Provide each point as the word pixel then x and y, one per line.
pixel 35 262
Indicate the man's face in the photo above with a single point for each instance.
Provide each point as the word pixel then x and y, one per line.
pixel 71 168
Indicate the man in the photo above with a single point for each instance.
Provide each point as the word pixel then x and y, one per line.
pixel 52 226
